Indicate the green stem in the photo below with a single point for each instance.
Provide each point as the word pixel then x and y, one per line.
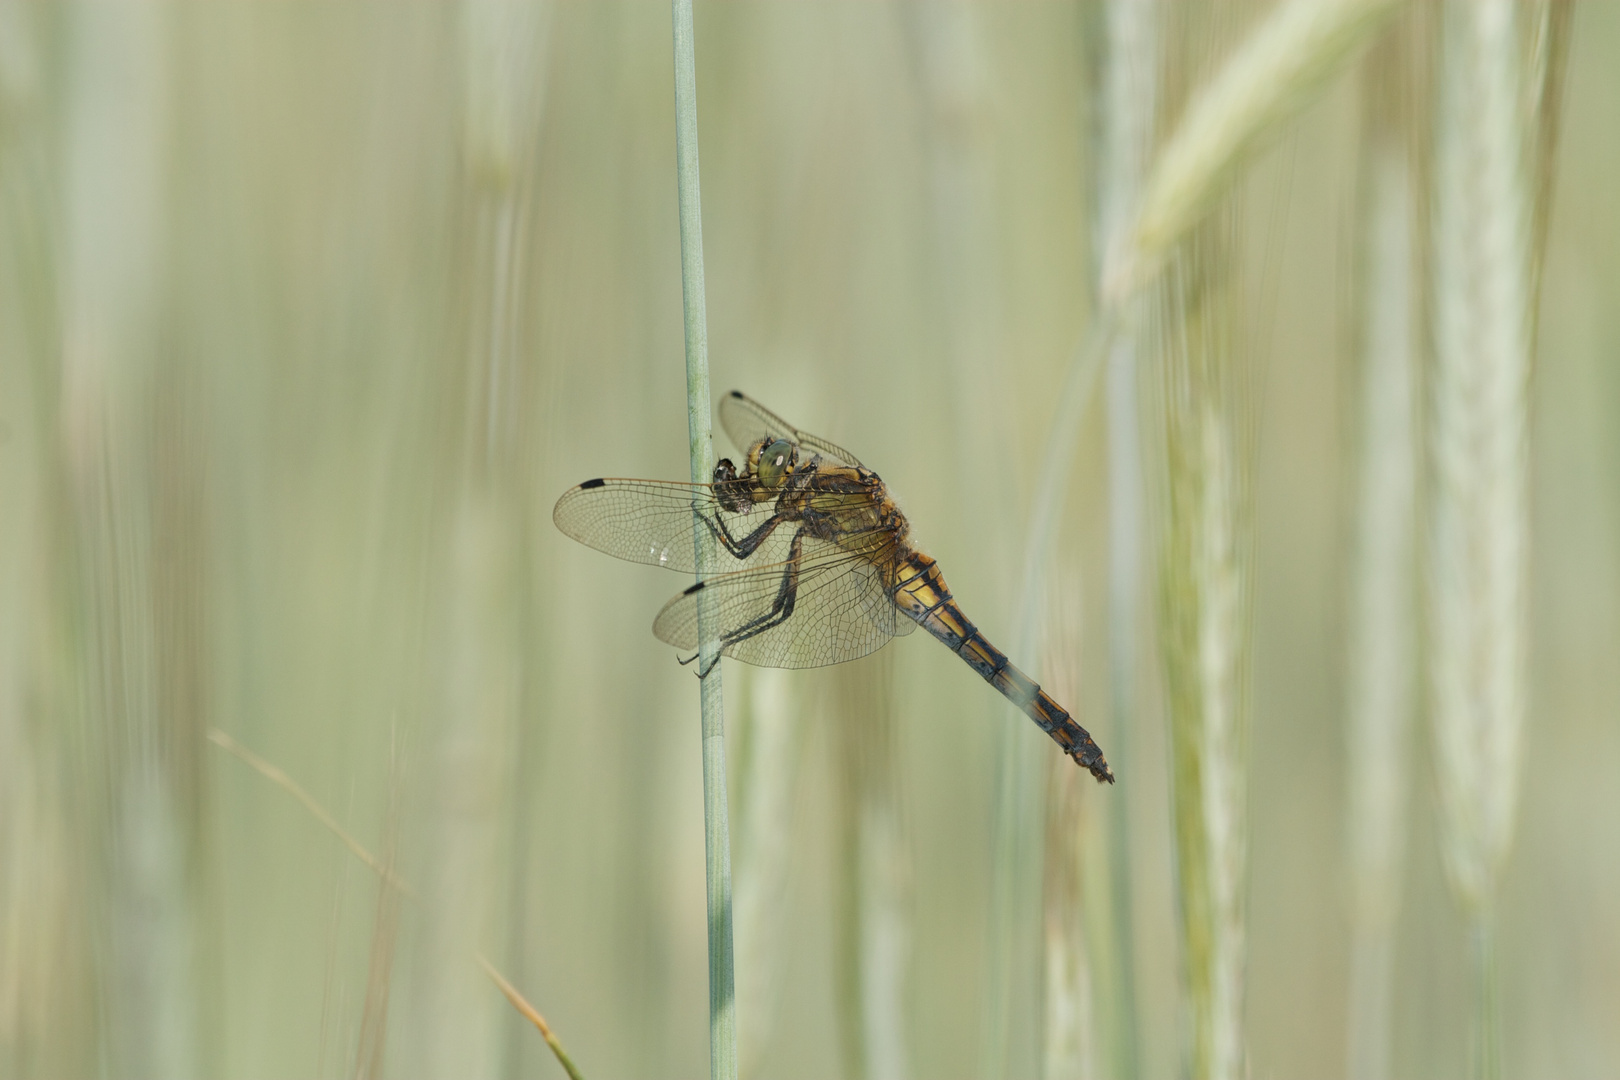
pixel 716 830
pixel 1021 777
pixel 1487 1031
pixel 1127 86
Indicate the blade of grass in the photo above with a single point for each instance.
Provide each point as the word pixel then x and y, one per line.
pixel 716 830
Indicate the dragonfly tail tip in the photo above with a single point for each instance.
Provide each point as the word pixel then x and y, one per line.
pixel 1096 764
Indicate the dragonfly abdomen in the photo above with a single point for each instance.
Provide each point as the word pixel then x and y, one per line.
pixel 921 593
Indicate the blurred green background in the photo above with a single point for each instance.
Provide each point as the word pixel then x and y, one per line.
pixel 309 312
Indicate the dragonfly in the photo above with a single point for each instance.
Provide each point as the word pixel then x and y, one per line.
pixel 817 563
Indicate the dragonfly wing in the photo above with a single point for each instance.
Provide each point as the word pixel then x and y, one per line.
pixel 650 521
pixel 747 421
pixel 840 611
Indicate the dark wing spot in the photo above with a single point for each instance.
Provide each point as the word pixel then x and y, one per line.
pixel 694 588
pixel 587 485
pixel 737 393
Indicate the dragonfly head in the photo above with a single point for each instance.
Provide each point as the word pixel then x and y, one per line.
pixel 732 492
pixel 772 461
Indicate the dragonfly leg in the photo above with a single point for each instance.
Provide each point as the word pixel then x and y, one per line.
pixel 741 549
pixel 782 606
pixel 701 672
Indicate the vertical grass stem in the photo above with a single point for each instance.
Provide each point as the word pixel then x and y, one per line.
pixel 1381 615
pixel 716 830
pixel 1127 93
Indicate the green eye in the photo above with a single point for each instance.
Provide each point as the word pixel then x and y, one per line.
pixel 774 462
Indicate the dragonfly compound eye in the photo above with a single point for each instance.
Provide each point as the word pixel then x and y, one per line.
pixel 775 460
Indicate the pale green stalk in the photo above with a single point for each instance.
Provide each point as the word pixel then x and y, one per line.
pixel 1479 529
pixel 716 830
pixel 772 744
pixel 473 720
pixel 1279 68
pixel 1071 901
pixel 953 60
pixel 43 950
pixel 135 491
pixel 871 929
pixel 1022 777
pixel 1381 611
pixel 1284 63
pixel 1549 23
pixel 1127 86
pixel 1204 626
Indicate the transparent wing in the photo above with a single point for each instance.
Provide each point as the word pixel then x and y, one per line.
pixel 840 611
pixel 747 421
pixel 650 521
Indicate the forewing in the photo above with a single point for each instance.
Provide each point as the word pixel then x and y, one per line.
pixel 747 421
pixel 840 611
pixel 650 521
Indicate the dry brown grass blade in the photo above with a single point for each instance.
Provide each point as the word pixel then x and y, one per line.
pixel 531 1014
pixel 280 778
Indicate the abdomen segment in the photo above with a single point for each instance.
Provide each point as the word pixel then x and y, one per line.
pixel 920 591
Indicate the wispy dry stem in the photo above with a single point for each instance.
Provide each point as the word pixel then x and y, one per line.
pixel 386 874
pixel 532 1015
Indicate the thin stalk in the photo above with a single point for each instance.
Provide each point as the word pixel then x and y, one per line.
pixel 1487 1050
pixel 474 620
pixel 1282 66
pixel 1021 777
pixel 1052 483
pixel 1381 627
pixel 954 68
pixel 716 831
pixel 771 746
pixel 138 510
pixel 279 777
pixel 1069 899
pixel 1204 621
pixel 1126 90
pixel 871 929
pixel 384 870
pixel 532 1015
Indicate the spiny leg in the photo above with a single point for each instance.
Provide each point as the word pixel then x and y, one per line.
pixel 741 549
pixel 781 608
